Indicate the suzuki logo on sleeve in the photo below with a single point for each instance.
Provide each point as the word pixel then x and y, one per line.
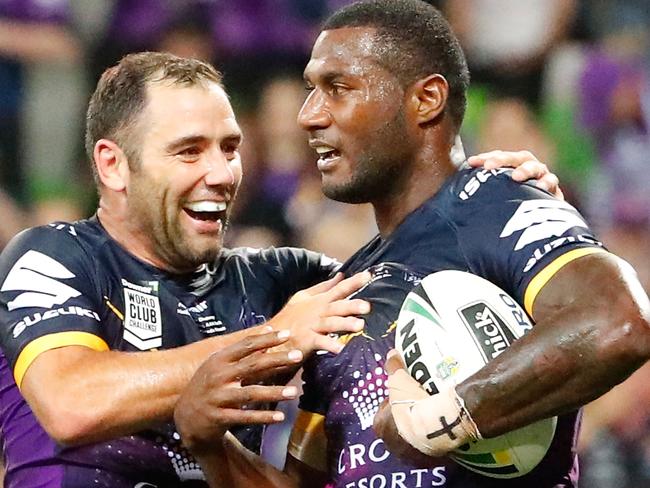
pixel 541 219
pixel 37 276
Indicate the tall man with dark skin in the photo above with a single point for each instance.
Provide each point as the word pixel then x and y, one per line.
pixel 383 121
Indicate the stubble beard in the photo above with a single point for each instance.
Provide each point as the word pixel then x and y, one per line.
pixel 371 181
pixel 182 254
pixel 379 171
pixel 170 243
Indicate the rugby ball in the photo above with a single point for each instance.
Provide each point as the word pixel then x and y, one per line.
pixel 450 326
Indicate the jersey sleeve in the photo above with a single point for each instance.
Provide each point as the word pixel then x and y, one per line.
pixel 306 267
pixel 516 235
pixel 295 269
pixel 47 297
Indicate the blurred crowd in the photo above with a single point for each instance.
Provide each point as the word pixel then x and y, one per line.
pixel 567 79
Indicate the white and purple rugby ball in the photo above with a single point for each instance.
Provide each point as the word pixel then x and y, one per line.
pixel 450 326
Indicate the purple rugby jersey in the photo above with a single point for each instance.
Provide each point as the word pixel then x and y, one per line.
pixel 481 222
pixel 71 284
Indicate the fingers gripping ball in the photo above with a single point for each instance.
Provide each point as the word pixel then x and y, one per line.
pixel 433 424
pixel 451 325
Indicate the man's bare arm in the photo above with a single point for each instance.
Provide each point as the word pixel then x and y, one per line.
pixel 80 395
pixel 592 331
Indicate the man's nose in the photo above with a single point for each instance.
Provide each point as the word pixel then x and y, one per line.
pixel 222 170
pixel 314 113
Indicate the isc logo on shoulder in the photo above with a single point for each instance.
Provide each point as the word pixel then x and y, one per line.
pixel 142 318
pixel 490 331
pixel 477 180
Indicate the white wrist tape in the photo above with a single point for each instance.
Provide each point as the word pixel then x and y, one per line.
pixel 434 425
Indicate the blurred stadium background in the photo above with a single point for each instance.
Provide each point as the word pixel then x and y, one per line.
pixel 567 79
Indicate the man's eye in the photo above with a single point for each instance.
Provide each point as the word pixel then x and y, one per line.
pixel 337 89
pixel 190 151
pixel 230 149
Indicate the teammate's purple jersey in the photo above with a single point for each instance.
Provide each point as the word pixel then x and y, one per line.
pixel 71 284
pixel 481 222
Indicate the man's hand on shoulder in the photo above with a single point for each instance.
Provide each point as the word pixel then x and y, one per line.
pixel 526 167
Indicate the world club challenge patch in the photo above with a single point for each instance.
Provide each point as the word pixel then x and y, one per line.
pixel 142 318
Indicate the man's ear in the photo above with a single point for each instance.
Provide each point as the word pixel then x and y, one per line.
pixel 112 165
pixel 429 97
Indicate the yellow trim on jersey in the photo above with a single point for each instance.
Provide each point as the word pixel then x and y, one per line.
pixel 538 282
pixel 53 341
pixel 308 443
pixel 114 309
pixel 309 422
pixel 345 338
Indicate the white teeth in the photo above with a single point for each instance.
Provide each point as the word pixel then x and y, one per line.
pixel 324 149
pixel 207 206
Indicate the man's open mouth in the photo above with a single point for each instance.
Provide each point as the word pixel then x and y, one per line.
pixel 206 210
pixel 327 153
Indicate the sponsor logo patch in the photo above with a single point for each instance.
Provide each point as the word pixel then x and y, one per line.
pixel 545 220
pixel 371 465
pixel 366 394
pixel 477 180
pixel 541 219
pixel 208 324
pixel 540 252
pixel 65 227
pixel 142 318
pixel 38 317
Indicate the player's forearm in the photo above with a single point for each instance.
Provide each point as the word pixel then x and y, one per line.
pixel 80 395
pixel 216 469
pixel 231 465
pixel 586 341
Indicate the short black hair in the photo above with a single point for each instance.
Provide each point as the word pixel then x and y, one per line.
pixel 121 93
pixel 413 40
